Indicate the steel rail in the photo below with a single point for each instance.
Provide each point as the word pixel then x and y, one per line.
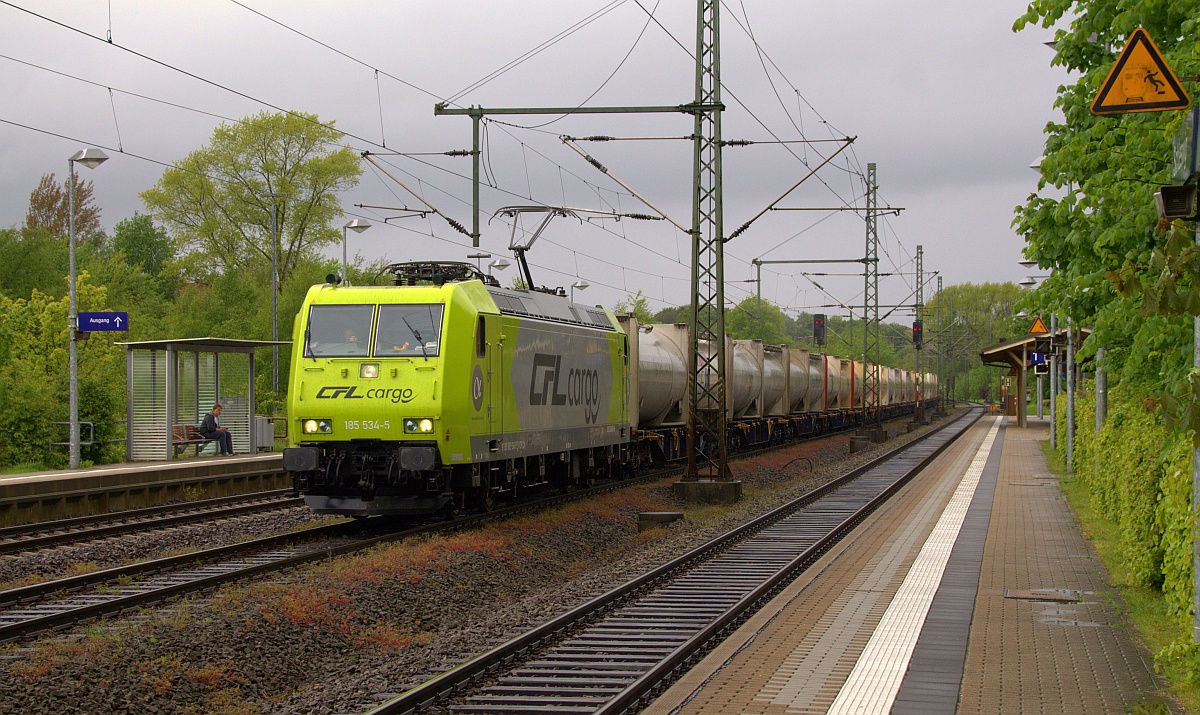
pixel 65 531
pixel 35 621
pixel 269 562
pixel 473 670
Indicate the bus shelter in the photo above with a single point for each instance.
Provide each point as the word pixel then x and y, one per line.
pixel 172 384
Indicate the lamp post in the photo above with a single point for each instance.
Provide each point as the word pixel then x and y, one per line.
pixel 91 158
pixel 580 285
pixel 477 257
pixel 358 226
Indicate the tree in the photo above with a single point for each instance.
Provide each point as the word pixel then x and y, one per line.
pixel 49 208
pixel 145 245
pixel 1115 266
pixel 636 304
pixel 218 200
pixel 32 260
pixel 744 322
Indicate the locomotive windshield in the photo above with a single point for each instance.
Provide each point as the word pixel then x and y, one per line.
pixel 339 330
pixel 408 331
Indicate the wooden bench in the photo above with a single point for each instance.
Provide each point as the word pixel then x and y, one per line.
pixel 184 436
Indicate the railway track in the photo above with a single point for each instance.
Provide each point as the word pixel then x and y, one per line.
pixel 616 651
pixel 65 602
pixel 52 534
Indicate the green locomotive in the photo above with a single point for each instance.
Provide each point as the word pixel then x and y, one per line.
pixel 447 391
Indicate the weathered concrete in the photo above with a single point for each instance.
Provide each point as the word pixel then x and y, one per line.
pixel 709 492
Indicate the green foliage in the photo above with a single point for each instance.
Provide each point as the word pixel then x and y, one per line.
pixel 1115 267
pixel 750 319
pixel 145 245
pixel 1139 476
pixel 227 223
pixel 636 304
pixel 33 376
pixel 32 260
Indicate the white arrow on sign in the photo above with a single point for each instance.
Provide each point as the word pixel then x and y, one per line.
pixel 117 320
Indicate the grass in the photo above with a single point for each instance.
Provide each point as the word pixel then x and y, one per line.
pixel 22 468
pixel 1146 607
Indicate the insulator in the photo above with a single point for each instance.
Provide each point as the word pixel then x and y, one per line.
pixel 457 226
pixel 459 152
pixel 597 164
pixel 597 139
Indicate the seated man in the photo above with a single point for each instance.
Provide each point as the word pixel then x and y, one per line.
pixel 211 428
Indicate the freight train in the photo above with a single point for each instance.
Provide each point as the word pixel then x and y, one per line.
pixel 447 391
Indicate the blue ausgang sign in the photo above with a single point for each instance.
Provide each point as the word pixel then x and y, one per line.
pixel 1037 358
pixel 96 322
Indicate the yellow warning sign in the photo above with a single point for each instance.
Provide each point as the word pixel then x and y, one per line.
pixel 1038 327
pixel 1140 81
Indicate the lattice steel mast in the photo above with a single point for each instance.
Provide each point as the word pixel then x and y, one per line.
pixel 707 456
pixel 918 378
pixel 871 350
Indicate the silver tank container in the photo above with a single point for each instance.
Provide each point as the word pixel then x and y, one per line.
pixel 797 379
pixel 776 402
pixel 746 378
pixel 661 372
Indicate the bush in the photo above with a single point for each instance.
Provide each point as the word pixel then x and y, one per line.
pixel 1138 473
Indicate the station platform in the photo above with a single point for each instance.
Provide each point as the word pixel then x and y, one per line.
pixel 39 496
pixel 972 591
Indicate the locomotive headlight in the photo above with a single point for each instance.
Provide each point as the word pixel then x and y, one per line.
pixel 368 370
pixel 418 426
pixel 317 426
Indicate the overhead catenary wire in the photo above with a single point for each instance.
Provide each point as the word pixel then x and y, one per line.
pixel 234 91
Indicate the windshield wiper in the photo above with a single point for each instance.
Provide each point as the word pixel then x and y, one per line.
pixel 416 335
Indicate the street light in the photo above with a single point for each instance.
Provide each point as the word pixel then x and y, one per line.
pixel 91 158
pixel 358 225
pixel 580 285
pixel 498 265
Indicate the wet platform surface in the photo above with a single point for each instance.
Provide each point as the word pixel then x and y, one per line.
pixel 973 591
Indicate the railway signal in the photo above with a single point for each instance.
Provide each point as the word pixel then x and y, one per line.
pixel 819 329
pixel 918 334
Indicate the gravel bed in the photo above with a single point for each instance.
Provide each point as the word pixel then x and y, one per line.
pixel 30 567
pixel 341 636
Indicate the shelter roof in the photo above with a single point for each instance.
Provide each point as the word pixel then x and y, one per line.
pixel 208 345
pixel 1012 353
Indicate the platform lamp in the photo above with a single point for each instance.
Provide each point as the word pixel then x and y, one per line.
pixel 91 158
pixel 358 225
pixel 578 285
pixel 498 265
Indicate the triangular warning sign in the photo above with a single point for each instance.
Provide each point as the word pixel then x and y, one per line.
pixel 1140 81
pixel 1038 327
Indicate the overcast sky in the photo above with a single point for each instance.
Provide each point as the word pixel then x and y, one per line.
pixel 941 94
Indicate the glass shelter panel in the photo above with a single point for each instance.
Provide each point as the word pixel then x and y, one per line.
pixel 148 404
pixel 233 393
